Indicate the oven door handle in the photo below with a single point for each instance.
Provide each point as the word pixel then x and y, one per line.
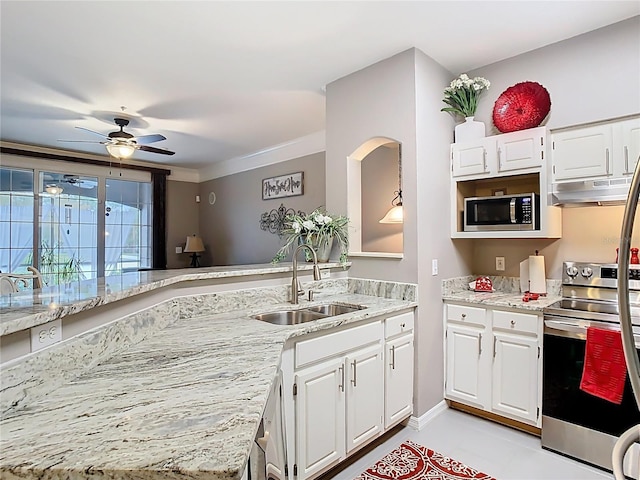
pixel 565 329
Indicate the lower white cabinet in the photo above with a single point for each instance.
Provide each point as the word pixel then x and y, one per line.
pixel 492 361
pixel 347 388
pixel 465 374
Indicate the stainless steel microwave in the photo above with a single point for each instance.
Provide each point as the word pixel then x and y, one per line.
pixel 504 212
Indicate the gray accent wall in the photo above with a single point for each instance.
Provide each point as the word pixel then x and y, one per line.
pixel 230 228
pixel 591 77
pixel 182 220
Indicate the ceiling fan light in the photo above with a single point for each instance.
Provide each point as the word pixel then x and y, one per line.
pixel 53 189
pixel 120 150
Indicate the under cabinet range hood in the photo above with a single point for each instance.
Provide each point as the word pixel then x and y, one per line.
pixel 591 192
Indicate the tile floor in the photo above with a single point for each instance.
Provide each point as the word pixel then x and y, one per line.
pixel 494 449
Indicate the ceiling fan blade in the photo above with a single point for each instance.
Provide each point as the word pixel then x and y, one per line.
pixel 91 131
pixel 146 148
pixel 145 139
pixel 81 141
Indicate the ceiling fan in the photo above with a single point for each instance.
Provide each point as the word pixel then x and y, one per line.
pixel 121 144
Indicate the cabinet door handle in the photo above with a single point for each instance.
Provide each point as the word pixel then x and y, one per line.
pixel 393 357
pixel 464 315
pixel 355 368
pixel 626 159
pixel 479 344
pixel 607 155
pixel 341 386
pixel 484 159
pixel 513 323
pixel 402 325
pixel 494 347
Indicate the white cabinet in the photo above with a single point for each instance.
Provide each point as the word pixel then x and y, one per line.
pixel 348 386
pixel 515 376
pixel 582 153
pixel 604 150
pixel 464 378
pixel 507 164
pixel 499 154
pixel 492 361
pixel 630 144
pixel 398 374
pixel 364 396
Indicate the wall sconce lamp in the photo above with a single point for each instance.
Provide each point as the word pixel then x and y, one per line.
pixel 120 150
pixel 194 245
pixel 395 213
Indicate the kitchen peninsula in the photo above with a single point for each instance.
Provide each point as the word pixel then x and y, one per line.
pixel 174 385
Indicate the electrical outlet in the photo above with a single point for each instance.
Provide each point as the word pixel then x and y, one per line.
pixel 500 264
pixel 178 249
pixel 325 274
pixel 434 266
pixel 47 334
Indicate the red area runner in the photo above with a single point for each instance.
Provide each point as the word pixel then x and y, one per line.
pixel 411 461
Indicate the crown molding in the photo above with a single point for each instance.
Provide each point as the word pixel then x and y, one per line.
pixel 282 152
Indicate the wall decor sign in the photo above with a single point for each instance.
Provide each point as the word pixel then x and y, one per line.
pixel 288 185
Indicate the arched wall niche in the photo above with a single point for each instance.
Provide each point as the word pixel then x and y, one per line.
pixel 372 180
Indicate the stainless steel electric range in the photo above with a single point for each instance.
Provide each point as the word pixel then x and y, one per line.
pixel 576 423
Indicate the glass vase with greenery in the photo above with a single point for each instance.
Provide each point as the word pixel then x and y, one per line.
pixel 315 228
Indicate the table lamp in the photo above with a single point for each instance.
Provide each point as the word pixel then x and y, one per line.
pixel 194 245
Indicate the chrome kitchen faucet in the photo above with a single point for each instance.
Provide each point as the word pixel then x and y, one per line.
pixel 296 288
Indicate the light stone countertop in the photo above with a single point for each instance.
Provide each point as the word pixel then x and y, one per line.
pixel 35 307
pixel 506 295
pixel 182 404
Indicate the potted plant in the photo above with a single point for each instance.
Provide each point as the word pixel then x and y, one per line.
pixel 318 229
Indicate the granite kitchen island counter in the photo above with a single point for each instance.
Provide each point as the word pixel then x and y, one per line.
pixel 185 402
pixel 30 308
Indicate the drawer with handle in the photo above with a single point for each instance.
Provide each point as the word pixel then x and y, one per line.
pixel 516 322
pixel 465 314
pixel 398 324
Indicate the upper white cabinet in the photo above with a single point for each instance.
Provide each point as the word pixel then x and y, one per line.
pixel 499 154
pixel 630 144
pixel 605 150
pixel 582 153
pixel 507 164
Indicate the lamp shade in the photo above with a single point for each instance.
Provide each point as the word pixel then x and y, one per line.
pixel 120 150
pixel 194 245
pixel 394 215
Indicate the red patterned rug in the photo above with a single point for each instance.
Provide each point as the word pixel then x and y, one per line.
pixel 411 461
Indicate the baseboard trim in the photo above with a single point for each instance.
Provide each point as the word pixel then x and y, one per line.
pixel 418 423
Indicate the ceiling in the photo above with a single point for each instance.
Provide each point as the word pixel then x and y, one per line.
pixel 223 80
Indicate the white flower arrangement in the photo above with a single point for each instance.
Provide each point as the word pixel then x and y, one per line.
pixel 318 227
pixel 462 95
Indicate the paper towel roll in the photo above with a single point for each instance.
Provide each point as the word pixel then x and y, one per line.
pixel 537 277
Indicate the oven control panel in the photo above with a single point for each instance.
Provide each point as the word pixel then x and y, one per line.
pixel 598 275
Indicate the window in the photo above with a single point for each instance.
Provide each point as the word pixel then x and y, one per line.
pixel 95 226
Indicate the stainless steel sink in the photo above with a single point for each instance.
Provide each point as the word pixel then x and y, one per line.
pixel 308 314
pixel 333 309
pixel 289 317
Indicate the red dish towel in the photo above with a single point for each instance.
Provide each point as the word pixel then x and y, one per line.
pixel 605 370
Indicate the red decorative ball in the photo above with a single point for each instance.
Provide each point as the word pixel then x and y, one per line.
pixel 521 106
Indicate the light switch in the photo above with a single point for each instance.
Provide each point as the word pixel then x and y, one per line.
pixel 434 266
pixel 178 249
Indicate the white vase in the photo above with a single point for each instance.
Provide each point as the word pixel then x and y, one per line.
pixel 469 130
